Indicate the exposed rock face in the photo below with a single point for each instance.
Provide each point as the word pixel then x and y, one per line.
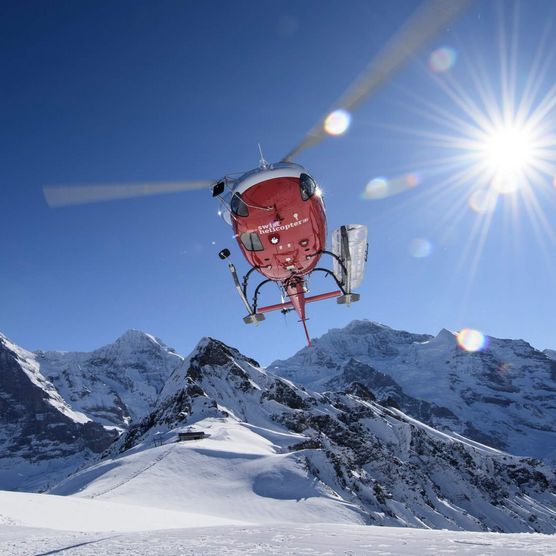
pixel 504 396
pixel 389 393
pixel 41 437
pixel 397 470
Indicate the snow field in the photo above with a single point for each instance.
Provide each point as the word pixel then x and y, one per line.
pixel 277 539
pixel 233 474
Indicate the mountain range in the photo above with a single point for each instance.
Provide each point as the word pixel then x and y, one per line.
pixel 503 396
pixel 341 436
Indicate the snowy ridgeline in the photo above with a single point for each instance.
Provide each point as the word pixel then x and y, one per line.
pixel 503 396
pixel 273 453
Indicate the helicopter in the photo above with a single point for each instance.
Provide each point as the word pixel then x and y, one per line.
pixel 279 220
pixel 277 209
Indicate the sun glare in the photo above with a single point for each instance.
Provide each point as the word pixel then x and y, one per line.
pixel 508 152
pixel 491 167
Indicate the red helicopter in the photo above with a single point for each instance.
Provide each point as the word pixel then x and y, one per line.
pixel 277 210
pixel 277 213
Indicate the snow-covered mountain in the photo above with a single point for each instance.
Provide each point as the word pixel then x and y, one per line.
pixel 115 384
pixel 277 452
pixel 60 410
pixel 503 396
pixel 42 438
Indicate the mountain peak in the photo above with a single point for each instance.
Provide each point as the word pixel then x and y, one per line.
pixel 210 351
pixel 134 336
pixel 366 326
pixel 444 338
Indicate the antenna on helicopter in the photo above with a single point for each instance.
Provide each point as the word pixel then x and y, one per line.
pixel 263 164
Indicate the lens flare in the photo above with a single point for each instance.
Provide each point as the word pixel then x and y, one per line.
pixel 337 122
pixel 420 248
pixel 380 188
pixel 412 180
pixel 504 368
pixel 483 201
pixel 377 188
pixel 472 340
pixel 442 59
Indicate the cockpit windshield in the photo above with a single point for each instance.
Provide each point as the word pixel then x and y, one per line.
pixel 239 208
pixel 307 185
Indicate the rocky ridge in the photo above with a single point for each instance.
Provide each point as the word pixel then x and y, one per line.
pixel 503 396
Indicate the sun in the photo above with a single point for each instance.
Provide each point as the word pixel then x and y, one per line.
pixel 508 153
pixel 508 150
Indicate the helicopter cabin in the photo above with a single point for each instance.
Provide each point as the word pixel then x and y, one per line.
pixel 190 435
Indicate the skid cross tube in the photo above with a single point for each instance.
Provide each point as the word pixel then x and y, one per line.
pixel 288 304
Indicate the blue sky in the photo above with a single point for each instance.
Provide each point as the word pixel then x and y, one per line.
pixel 130 91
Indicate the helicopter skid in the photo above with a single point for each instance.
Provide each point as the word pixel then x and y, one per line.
pixel 348 298
pixel 255 318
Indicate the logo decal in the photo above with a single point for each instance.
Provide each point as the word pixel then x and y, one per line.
pixel 277 227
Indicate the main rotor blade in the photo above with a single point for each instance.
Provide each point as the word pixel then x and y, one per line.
pixel 63 195
pixel 423 24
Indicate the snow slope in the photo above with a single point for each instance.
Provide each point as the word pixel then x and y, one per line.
pixel 504 396
pixel 235 473
pixel 70 513
pixel 275 539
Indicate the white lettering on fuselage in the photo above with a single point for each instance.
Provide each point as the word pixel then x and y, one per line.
pixel 277 227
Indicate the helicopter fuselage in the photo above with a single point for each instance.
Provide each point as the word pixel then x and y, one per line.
pixel 279 221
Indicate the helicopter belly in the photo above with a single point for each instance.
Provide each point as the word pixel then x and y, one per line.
pixel 282 235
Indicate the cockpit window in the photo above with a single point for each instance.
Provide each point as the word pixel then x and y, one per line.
pixel 251 241
pixel 307 185
pixel 239 208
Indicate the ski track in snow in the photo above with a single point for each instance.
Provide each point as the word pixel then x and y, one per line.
pixel 320 539
pixel 157 460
